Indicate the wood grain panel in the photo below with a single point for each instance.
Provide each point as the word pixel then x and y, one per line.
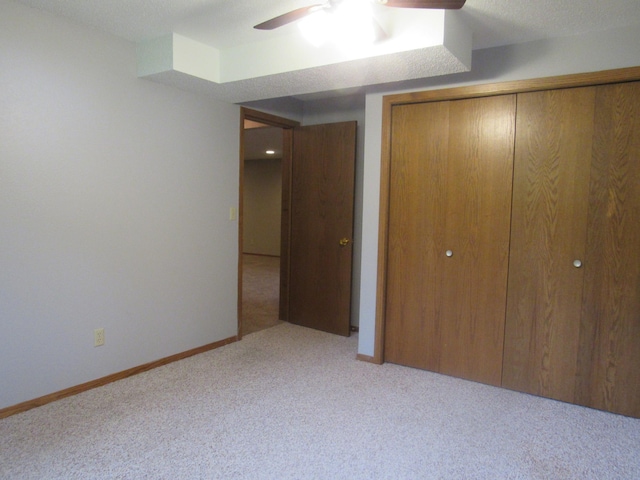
pixel 322 196
pixel 477 228
pixel 389 102
pixel 518 86
pixel 551 181
pixel 595 363
pixel 450 188
pixel 285 220
pixel 609 367
pixel 420 140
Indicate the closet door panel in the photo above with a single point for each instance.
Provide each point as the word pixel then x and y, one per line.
pixel 450 189
pixel 420 136
pixel 554 132
pixel 610 338
pixel 477 224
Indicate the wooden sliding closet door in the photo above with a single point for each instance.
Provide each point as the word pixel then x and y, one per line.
pixel 548 233
pixel 573 311
pixel 420 144
pixel 609 357
pixel 450 204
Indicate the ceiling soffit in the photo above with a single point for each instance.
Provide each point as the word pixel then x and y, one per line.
pixel 421 44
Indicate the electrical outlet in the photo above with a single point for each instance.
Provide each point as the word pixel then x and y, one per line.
pixel 98 337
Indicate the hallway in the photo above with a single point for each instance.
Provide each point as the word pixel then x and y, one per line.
pixel 260 292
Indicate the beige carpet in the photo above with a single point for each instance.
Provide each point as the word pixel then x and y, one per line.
pixel 260 292
pixel 293 403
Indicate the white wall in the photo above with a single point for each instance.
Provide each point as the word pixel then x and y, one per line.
pixel 114 207
pixel 262 207
pixel 594 52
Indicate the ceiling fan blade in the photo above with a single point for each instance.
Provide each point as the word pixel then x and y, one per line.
pixel 443 4
pixel 285 18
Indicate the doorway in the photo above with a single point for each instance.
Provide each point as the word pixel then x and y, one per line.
pixel 262 215
pixel 318 179
pixel 263 220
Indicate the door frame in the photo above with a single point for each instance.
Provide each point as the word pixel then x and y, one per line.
pixel 456 93
pixel 287 152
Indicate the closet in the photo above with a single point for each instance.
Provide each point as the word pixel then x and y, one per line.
pixel 513 240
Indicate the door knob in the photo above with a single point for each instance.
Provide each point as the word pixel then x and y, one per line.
pixel 344 242
pixel 449 253
pixel 577 263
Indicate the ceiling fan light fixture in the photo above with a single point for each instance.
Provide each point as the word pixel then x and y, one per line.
pixel 349 23
pixel 316 27
pixel 354 24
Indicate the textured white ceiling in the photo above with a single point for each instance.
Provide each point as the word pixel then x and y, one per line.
pixel 226 23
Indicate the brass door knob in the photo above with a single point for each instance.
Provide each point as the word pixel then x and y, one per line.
pixel 344 242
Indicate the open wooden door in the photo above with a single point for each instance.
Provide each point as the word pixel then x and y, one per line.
pixel 321 228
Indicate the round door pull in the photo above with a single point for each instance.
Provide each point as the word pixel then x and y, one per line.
pixel 449 253
pixel 577 263
pixel 344 242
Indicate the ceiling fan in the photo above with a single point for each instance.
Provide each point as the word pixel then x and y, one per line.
pixel 331 5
